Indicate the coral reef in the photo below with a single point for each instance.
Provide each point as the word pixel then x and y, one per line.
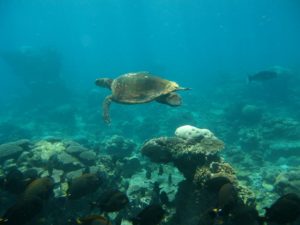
pixel 117 146
pixel 281 128
pixel 186 154
pixel 13 149
pixel 288 182
pixel 251 114
pixel 197 158
pixel 189 132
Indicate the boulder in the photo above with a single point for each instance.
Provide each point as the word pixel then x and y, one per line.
pixel 10 150
pixel 88 157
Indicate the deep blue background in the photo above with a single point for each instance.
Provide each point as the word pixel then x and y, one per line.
pixel 191 41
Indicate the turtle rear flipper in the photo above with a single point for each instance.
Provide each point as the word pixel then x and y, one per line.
pixel 105 107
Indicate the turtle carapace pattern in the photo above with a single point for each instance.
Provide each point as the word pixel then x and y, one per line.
pixel 138 88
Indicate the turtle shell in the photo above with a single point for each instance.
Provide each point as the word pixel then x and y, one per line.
pixel 134 88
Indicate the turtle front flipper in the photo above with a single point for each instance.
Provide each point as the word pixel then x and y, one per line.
pixel 105 107
pixel 171 99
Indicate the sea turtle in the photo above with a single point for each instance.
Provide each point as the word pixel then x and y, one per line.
pixel 137 88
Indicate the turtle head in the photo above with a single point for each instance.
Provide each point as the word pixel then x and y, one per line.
pixel 104 82
pixel 171 99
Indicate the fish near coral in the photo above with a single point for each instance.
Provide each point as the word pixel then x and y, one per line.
pixel 23 211
pixel 164 198
pixel 215 183
pixel 14 181
pixel 284 210
pixel 151 215
pixel 93 220
pixel 227 197
pixel 83 185
pixel 245 215
pixel 40 187
pixel 227 200
pixel 111 201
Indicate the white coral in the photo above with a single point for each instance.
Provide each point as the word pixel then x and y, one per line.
pixel 189 132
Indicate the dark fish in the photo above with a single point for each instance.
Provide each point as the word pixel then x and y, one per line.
pixel 40 187
pixel 155 193
pixel 227 197
pixel 263 76
pixel 227 201
pixel 170 179
pixel 215 184
pixel 83 185
pixel 156 187
pixel 22 211
pixel 14 182
pixel 112 201
pixel 151 215
pixel 160 170
pixel 285 210
pixel 246 215
pixel 93 220
pixel 148 173
pixel 164 199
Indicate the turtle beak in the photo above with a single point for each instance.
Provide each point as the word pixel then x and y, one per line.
pixel 99 82
pixel 104 82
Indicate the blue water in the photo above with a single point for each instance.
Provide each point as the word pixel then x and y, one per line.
pixel 210 46
pixel 51 52
pixel 189 41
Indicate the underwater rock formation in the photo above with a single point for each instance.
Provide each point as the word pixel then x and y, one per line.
pixel 186 154
pixel 251 114
pixel 288 182
pixel 60 160
pixel 118 146
pixel 13 149
pixel 281 128
pixel 197 158
pixel 47 157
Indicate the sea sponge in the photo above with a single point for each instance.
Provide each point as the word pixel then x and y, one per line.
pixel 189 132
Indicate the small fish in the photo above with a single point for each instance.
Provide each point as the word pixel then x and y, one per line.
pixel 164 199
pixel 112 201
pixel 93 220
pixel 263 76
pixel 156 187
pixel 83 185
pixel 24 210
pixel 155 193
pixel 286 209
pixel 151 215
pixel 160 170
